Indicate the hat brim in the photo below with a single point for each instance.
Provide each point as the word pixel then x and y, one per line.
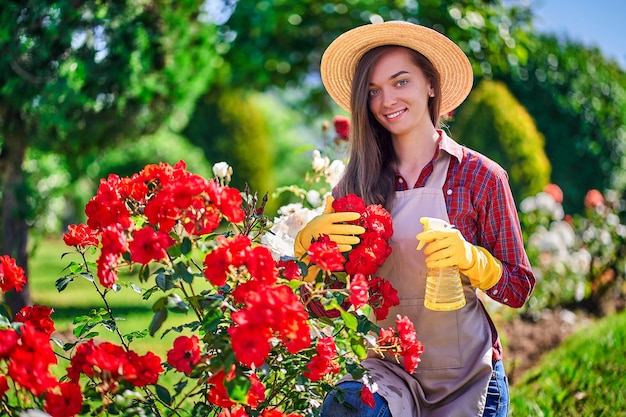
pixel 342 56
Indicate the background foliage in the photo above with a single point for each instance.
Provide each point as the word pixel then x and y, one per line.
pixel 493 122
pixel 578 101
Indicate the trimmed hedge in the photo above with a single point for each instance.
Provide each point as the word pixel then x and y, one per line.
pixel 492 122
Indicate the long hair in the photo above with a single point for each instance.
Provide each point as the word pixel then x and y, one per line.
pixel 369 172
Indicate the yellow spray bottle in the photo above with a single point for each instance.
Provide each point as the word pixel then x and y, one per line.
pixel 444 290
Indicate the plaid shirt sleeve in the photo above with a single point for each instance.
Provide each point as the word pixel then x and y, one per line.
pixel 481 205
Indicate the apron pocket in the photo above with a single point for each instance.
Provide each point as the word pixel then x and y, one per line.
pixel 437 330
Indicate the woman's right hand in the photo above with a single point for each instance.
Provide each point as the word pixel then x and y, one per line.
pixel 332 224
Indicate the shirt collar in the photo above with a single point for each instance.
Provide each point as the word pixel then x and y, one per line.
pixel 447 144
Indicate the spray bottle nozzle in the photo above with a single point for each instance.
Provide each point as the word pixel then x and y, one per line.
pixel 433 223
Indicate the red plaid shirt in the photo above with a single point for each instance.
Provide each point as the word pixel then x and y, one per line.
pixel 481 206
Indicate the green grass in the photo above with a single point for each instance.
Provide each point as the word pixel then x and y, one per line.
pixel 46 265
pixel 585 376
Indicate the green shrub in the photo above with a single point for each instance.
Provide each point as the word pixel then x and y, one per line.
pixel 493 123
pixel 229 127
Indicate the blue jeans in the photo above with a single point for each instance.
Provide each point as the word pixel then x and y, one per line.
pixel 497 404
pixel 353 406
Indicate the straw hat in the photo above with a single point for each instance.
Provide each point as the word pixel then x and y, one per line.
pixel 340 59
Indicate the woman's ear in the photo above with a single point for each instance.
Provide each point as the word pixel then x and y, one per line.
pixel 431 91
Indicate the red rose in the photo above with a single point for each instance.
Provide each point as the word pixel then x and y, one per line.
pixel 38 317
pixel 185 353
pixel 325 254
pixel 80 235
pixel 342 127
pixel 148 245
pixel 367 397
pixel 350 202
pixel 66 400
pixel 359 290
pixel 11 275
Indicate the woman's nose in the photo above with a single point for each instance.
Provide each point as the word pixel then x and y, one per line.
pixel 389 99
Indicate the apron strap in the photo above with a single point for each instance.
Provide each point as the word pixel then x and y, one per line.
pixel 440 171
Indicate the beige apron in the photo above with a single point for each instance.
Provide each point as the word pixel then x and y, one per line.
pixel 452 377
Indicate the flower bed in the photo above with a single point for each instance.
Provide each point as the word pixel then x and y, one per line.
pixel 260 341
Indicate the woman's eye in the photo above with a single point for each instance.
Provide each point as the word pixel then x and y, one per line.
pixel 402 83
pixel 373 92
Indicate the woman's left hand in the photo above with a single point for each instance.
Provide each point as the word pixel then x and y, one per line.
pixel 448 247
pixel 445 248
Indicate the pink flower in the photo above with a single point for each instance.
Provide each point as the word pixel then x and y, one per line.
pixel 593 199
pixel 555 192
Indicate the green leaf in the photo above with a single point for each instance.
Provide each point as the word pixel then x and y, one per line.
pixel 87 276
pixel 211 319
pixel 176 304
pixel 164 281
pixel 349 320
pixel 110 325
pixel 90 335
pixel 69 346
pixel 183 270
pixel 358 348
pixel 365 325
pixel 237 388
pixel 163 394
pixel 63 282
pixel 159 304
pixel 186 246
pixel 180 386
pixel 157 321
pixel 294 284
pixel 149 292
pixel 135 288
pixel 356 370
pixel 144 273
pixel 201 410
pixel 139 334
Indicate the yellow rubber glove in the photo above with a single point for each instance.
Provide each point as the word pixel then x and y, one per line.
pixel 447 247
pixel 329 223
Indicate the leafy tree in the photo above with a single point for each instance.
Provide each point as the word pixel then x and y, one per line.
pixel 279 43
pixel 270 45
pixel 78 77
pixel 578 101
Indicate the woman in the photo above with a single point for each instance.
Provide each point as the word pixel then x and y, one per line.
pixel 397 79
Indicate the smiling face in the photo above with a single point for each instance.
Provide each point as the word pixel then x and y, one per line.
pixel 399 93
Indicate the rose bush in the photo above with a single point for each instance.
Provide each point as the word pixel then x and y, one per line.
pixel 260 341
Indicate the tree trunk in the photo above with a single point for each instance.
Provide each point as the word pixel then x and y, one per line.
pixel 14 229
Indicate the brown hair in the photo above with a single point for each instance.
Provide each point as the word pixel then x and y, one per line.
pixel 369 173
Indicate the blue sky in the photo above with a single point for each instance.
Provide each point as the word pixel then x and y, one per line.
pixel 600 23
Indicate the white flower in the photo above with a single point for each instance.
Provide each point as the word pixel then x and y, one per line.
pixel 319 163
pixel 314 198
pixel 31 412
pixel 221 170
pixel 281 236
pixel 334 172
pixel 528 204
pixel 543 203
